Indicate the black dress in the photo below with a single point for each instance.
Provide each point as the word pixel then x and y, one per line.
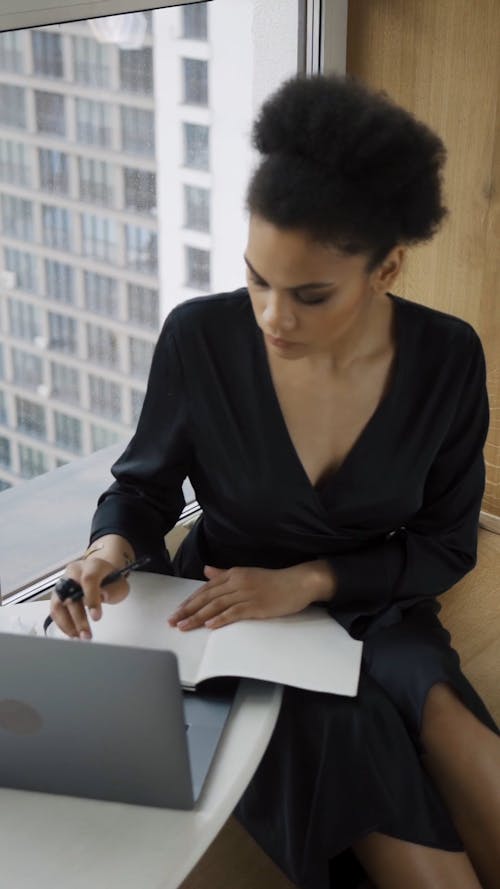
pixel 398 520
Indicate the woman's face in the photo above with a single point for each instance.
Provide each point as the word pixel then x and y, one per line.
pixel 307 298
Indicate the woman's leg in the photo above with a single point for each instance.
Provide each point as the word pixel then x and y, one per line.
pixel 462 756
pixel 393 864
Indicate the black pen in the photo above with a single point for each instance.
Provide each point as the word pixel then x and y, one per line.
pixel 67 588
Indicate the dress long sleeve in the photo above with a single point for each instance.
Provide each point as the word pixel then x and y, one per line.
pixel 437 546
pixel 146 499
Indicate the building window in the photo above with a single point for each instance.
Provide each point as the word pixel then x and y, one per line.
pixel 3 408
pixel 68 432
pixel 99 237
pixel 47 53
pixel 5 457
pixel 143 306
pixel 136 70
pixel 194 22
pixel 17 218
pixel 27 369
pixel 101 294
pixel 59 281
pixel 30 418
pixel 136 402
pixel 62 333
pixel 197 208
pixel 2 368
pixel 12 106
pixel 141 246
pixel 93 122
pixel 64 383
pixel 196 146
pixel 25 320
pixel 138 131
pixel 101 437
pixel 11 52
pixel 102 346
pixel 31 462
pixel 24 267
pixel 91 62
pixel 140 190
pixel 195 80
pixel 140 354
pixel 197 268
pixel 54 175
pixel 56 223
pixel 50 113
pixel 96 181
pixel 105 397
pixel 15 167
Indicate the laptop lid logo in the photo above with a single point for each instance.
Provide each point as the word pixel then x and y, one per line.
pixel 19 718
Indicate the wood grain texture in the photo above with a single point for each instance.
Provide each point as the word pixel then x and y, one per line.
pixel 441 61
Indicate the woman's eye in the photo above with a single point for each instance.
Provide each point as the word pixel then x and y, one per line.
pixel 256 282
pixel 310 301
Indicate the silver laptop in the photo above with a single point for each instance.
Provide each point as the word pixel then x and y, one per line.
pixel 104 721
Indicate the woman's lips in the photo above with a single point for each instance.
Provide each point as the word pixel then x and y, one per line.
pixel 280 344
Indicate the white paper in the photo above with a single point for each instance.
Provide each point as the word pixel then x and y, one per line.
pixel 309 650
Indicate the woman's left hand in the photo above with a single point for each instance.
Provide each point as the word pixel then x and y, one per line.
pixel 233 594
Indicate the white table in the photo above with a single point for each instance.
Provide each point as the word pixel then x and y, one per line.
pixel 56 842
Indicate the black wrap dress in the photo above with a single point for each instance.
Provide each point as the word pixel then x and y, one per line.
pixel 398 520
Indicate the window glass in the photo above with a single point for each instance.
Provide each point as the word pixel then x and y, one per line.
pixel 5 455
pixel 105 397
pixel 93 122
pixel 68 432
pixel 91 62
pixel 62 333
pixel 47 53
pixel 50 113
pixel 56 227
pixel 60 281
pixel 140 354
pixel 23 265
pixel 32 462
pixel 27 369
pixel 12 106
pixel 15 163
pixel 140 190
pixel 141 248
pixel 25 319
pixel 196 146
pixel 11 52
pixel 99 237
pixel 197 268
pixel 143 306
pixel 197 208
pixel 101 294
pixel 65 382
pixel 195 22
pixel 195 76
pixel 102 346
pixel 136 70
pixel 137 130
pixel 102 437
pixel 96 181
pixel 54 170
pixel 30 417
pixel 17 217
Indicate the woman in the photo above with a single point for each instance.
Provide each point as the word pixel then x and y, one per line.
pixel 333 433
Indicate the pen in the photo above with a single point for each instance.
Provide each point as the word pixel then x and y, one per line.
pixel 67 588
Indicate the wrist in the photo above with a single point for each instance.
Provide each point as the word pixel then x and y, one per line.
pixel 321 581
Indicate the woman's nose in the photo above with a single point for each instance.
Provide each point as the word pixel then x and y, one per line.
pixel 277 312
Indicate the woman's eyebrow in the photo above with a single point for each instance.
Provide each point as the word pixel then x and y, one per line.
pixel 312 285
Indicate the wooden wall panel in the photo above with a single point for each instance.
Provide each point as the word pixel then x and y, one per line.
pixel 442 62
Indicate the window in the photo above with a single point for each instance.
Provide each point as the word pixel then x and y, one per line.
pixel 25 320
pixel 101 294
pixel 68 432
pixel 3 408
pixel 30 418
pixel 15 163
pixel 11 52
pixel 136 70
pixel 50 113
pixel 24 267
pixel 197 268
pixel 91 62
pixel 53 170
pixel 17 218
pixel 31 461
pixel 102 346
pixel 65 382
pixel 101 437
pixel 59 281
pixel 143 306
pixel 105 397
pixel 27 369
pixel 136 402
pixel 2 368
pixel 93 122
pixel 141 249
pixel 138 131
pixel 195 78
pixel 196 146
pixel 96 181
pixel 56 223
pixel 194 22
pixel 197 208
pixel 12 106
pixel 99 237
pixel 47 53
pixel 140 353
pixel 4 484
pixel 62 333
pixel 140 190
pixel 5 452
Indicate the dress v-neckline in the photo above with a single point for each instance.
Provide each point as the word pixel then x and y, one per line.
pixel 333 476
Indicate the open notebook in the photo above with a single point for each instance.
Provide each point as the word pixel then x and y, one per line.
pixel 309 650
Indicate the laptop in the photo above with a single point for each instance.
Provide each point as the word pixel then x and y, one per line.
pixel 107 722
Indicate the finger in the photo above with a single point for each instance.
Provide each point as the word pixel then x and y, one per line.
pixel 212 609
pixel 199 599
pixel 79 617
pixel 233 614
pixel 61 616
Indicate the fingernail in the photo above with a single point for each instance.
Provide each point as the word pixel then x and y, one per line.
pixel 84 634
pixel 183 623
pixel 95 613
pixel 211 622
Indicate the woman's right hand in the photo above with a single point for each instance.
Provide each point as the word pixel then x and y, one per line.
pixel 72 617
